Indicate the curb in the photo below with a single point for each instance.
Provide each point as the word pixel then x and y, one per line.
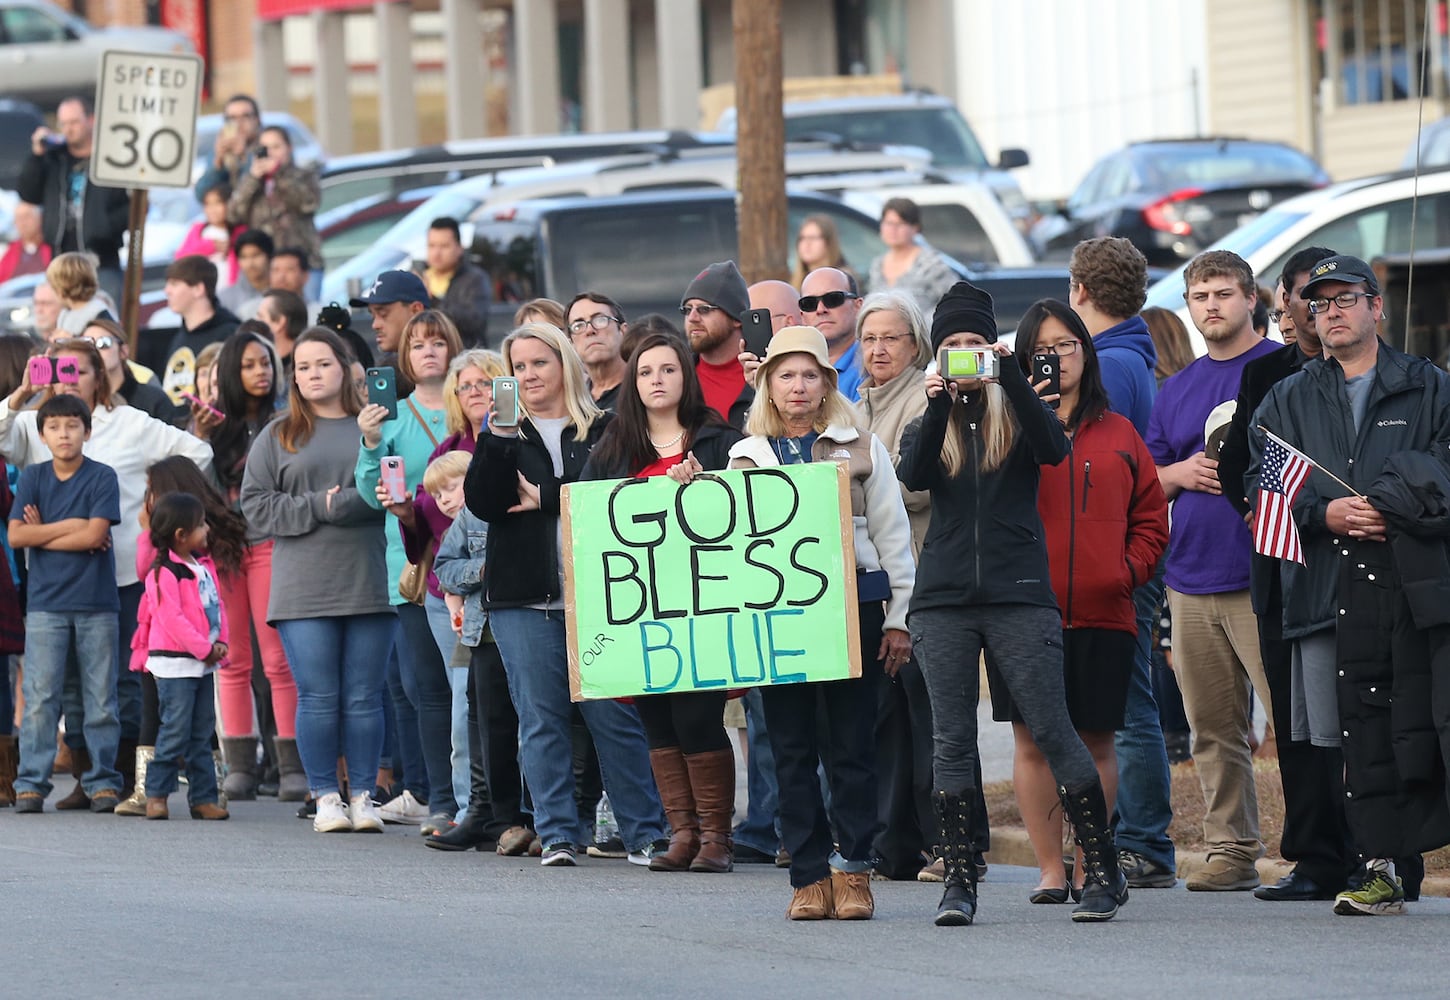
pixel 1010 846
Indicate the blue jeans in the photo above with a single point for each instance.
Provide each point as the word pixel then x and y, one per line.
pixel 535 657
pixel 1144 807
pixel 418 656
pixel 402 693
pixel 339 665
pixel 188 719
pixel 128 683
pixel 441 625
pixel 7 697
pixel 760 829
pixel 50 637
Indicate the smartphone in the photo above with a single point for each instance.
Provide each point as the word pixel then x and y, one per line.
pixel 1049 367
pixel 506 401
pixel 261 153
pixel 383 390
pixel 395 479
pixel 50 371
pixel 194 401
pixel 966 362
pixel 756 329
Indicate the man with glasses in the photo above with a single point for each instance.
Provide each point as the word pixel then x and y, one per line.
pixel 595 326
pixel 461 289
pixel 712 306
pixel 1215 632
pixel 1361 608
pixel 1315 836
pixel 829 302
pixel 235 146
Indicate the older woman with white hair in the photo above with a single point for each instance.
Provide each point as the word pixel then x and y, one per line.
pixel 798 416
pixel 514 484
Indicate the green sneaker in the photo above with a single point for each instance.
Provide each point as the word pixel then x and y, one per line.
pixel 1378 894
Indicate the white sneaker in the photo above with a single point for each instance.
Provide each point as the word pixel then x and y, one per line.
pixel 404 809
pixel 331 815
pixel 364 814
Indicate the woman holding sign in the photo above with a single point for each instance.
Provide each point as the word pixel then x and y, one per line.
pixel 984 584
pixel 663 427
pixel 514 484
pixel 798 416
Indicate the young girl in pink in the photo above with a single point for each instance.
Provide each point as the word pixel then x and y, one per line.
pixel 213 238
pixel 183 629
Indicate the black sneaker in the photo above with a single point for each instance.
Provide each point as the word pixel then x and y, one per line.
pixel 611 848
pixel 750 856
pixel 1143 873
pixel 308 809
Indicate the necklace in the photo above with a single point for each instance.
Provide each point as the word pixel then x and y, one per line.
pixel 670 443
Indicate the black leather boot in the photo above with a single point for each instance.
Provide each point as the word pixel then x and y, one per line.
pixel 958 904
pixel 1105 887
pixel 469 835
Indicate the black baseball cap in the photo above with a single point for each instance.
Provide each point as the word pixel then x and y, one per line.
pixel 394 286
pixel 1340 267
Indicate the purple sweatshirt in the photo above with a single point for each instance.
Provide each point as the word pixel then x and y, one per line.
pixel 1209 544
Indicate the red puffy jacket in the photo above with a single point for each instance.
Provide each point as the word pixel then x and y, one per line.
pixel 1106 522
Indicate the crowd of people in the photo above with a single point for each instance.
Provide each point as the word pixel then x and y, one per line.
pixel 247 570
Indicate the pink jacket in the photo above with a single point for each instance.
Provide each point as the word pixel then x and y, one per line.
pixel 171 619
pixel 194 244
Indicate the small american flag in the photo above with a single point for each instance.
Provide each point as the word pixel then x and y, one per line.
pixel 1281 474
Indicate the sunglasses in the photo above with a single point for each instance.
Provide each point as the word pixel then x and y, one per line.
pixel 831 300
pixel 102 343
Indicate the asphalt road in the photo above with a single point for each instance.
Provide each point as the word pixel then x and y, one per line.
pixel 262 906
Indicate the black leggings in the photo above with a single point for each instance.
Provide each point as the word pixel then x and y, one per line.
pixel 694 721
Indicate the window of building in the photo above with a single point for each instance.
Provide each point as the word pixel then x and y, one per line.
pixel 1371 51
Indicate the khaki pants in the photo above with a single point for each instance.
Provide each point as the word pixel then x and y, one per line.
pixel 1216 659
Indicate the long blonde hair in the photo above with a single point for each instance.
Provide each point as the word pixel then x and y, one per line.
pixel 582 409
pixel 764 419
pixel 998 432
pixel 488 362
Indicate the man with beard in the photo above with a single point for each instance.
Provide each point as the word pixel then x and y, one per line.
pixel 712 306
pixel 1215 633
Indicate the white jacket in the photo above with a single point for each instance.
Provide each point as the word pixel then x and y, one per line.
pixel 126 439
pixel 878 516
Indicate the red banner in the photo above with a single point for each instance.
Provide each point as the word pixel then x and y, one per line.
pixel 271 10
pixel 189 18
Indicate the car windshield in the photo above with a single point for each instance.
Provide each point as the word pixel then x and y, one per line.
pixel 943 131
pixel 1167 293
pixel 1169 168
pixel 406 239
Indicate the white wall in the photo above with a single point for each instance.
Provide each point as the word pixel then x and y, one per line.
pixel 1071 80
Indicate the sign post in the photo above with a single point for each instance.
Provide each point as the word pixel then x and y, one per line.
pixel 740 579
pixel 145 136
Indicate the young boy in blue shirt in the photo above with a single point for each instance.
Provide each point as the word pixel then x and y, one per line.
pixel 62 517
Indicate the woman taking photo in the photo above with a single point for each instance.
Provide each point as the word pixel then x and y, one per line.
pixel 663 427
pixel 798 416
pixel 130 442
pixel 246 380
pixel 1106 524
pixel 279 197
pixel 514 485
pixel 983 585
pixel 908 265
pixel 422 696
pixel 329 596
pixel 817 244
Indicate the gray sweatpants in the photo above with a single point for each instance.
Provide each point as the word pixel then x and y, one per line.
pixel 1026 647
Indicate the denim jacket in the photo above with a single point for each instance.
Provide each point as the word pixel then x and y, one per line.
pixel 459 568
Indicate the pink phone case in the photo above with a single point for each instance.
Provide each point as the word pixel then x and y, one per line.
pixel 395 479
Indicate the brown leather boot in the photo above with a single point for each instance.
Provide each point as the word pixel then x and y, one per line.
pixel 80 763
pixel 812 902
pixel 156 807
pixel 672 777
pixel 712 778
pixel 209 810
pixel 852 894
pixel 9 761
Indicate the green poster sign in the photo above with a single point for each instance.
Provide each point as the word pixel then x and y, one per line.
pixel 737 580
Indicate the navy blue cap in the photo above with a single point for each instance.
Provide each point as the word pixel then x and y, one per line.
pixel 394 286
pixel 1341 267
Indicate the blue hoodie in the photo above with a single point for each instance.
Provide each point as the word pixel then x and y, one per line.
pixel 1127 359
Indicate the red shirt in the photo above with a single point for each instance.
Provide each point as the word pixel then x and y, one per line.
pixel 660 466
pixel 721 384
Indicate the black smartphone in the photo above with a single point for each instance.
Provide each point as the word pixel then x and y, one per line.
pixel 506 401
pixel 756 330
pixel 383 390
pixel 1048 367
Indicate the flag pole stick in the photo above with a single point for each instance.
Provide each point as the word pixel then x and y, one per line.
pixel 1321 468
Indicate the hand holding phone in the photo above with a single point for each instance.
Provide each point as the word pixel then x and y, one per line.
pixel 394 479
pixel 756 329
pixel 506 401
pixel 196 403
pixel 1048 368
pixel 383 390
pixel 45 370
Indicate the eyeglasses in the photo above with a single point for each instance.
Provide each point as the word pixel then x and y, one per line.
pixel 1277 314
pixel 469 388
pixel 102 343
pixel 703 309
pixel 600 322
pixel 1066 349
pixel 1344 300
pixel 895 338
pixel 831 300
pixel 238 118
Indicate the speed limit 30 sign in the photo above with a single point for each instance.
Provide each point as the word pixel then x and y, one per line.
pixel 145 130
